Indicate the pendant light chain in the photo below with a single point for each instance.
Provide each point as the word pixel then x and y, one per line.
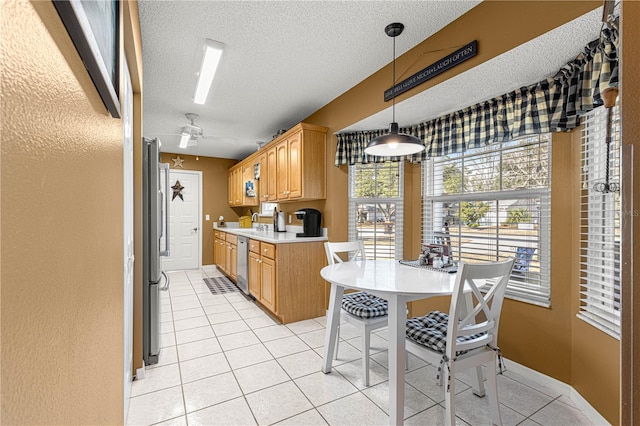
pixel 393 83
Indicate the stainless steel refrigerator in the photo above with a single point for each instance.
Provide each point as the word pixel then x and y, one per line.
pixel 155 242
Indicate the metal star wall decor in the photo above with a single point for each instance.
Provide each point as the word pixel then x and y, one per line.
pixel 177 191
pixel 177 162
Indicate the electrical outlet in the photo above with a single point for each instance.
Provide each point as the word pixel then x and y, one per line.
pixel 206 217
pixel 289 218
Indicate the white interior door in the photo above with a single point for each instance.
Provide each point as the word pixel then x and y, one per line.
pixel 127 161
pixel 185 221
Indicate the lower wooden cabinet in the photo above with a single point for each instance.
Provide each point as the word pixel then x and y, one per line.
pixel 268 288
pixel 285 279
pixel 220 253
pixel 231 261
pixel 262 274
pixel 225 254
pixel 255 275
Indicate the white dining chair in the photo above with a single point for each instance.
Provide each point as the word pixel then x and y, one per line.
pixel 363 310
pixel 469 342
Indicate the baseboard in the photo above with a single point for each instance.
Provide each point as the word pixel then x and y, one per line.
pixel 582 404
pixel 141 372
pixel 587 409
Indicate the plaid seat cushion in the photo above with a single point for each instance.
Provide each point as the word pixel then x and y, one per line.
pixel 431 331
pixel 364 305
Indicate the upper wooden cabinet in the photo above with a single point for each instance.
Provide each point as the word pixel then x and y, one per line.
pixel 271 175
pixel 292 168
pixel 301 170
pixel 235 186
pixel 238 176
pixel 282 170
pixel 248 175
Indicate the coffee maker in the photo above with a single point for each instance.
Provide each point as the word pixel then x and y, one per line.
pixel 311 223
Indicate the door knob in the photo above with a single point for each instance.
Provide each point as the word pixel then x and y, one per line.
pixel 195 229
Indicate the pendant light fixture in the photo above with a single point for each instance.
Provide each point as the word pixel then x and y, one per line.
pixel 394 144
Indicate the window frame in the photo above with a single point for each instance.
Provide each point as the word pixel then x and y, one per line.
pixel 398 201
pixel 532 288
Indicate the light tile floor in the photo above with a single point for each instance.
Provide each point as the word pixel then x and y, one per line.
pixel 225 362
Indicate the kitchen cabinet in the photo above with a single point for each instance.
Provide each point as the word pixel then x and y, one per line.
pixel 234 178
pixel 285 279
pixel 237 177
pixel 248 175
pixel 219 250
pixel 267 182
pixel 282 171
pixel 272 176
pixel 231 257
pixel 264 176
pixel 300 165
pixel 292 168
pixel 294 173
pixel 262 273
pixel 225 254
pixel 255 275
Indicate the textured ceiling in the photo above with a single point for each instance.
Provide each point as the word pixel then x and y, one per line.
pixel 286 59
pixel 282 62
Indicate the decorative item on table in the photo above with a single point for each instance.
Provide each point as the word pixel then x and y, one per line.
pixel 221 221
pixel 249 189
pixel 436 252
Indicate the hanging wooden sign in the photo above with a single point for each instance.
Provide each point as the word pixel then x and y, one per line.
pixel 448 62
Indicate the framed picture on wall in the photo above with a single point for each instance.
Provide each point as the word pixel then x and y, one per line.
pixel 94 28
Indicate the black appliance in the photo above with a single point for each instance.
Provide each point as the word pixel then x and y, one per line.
pixel 311 223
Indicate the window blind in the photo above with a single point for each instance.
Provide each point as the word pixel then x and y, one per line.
pixel 376 208
pixel 491 203
pixel 600 224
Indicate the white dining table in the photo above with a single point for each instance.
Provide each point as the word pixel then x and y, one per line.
pixel 398 284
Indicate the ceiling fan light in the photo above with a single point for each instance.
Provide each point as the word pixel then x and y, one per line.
pixel 184 140
pixel 210 61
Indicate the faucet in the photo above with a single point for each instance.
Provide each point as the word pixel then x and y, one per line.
pixel 255 217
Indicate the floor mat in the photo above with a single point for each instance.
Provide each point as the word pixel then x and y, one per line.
pixel 220 285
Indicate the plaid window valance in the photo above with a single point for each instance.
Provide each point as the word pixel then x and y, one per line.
pixel 552 105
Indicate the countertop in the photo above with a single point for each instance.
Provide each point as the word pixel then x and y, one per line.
pixel 270 236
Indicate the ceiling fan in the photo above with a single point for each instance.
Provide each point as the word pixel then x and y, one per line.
pixel 191 133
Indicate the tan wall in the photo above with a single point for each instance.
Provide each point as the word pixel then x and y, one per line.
pixel 62 256
pixel 550 340
pixel 215 202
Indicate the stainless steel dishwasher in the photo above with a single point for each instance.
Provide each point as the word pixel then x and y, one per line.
pixel 243 264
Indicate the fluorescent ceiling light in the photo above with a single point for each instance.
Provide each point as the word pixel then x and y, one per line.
pixel 184 140
pixel 210 61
